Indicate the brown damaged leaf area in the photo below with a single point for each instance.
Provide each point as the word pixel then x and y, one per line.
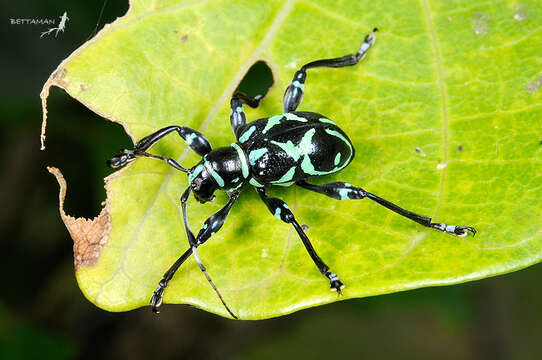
pixel 89 235
pixel 56 78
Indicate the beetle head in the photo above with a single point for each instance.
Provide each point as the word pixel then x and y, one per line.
pixel 202 183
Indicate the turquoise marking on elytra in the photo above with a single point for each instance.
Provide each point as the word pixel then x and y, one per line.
pixel 286 206
pixel 296 151
pixel 239 109
pixel 337 159
pixel 242 159
pixel 289 148
pixel 204 226
pixel 272 121
pixel 308 168
pixel 254 155
pixel 213 173
pixel 253 182
pixel 246 135
pixel 326 120
pixel 190 138
pixel 344 194
pixel 277 213
pixel 288 176
pixel 297 84
pixel 194 173
pixel 291 116
pixel 235 180
pixel 340 136
pixel 286 184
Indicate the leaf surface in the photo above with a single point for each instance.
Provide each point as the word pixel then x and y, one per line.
pixel 444 114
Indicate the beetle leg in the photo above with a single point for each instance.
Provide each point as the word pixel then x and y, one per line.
pixel 156 299
pixel 281 211
pixel 194 139
pixel 209 228
pixel 344 191
pixel 237 115
pixel 294 92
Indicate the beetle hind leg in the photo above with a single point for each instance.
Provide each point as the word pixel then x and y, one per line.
pixel 344 191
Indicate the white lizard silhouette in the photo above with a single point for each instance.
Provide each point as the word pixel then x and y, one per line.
pixel 61 26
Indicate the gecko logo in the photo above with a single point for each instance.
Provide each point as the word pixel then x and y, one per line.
pixel 61 26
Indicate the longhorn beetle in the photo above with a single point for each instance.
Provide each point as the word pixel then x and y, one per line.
pixel 280 150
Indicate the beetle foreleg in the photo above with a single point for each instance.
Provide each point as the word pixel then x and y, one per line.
pixel 194 139
pixel 282 212
pixel 156 299
pixel 344 191
pixel 212 224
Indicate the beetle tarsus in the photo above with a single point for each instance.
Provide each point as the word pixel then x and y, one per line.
pixel 335 284
pixel 156 299
pixel 463 231
pixel 123 157
pixel 460 231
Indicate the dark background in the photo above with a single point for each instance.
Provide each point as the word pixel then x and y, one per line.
pixel 44 315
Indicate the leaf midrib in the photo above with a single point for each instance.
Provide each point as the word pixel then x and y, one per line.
pixel 443 97
pixel 444 110
pixel 232 85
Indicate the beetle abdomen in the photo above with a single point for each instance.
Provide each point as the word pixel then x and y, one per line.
pixel 289 147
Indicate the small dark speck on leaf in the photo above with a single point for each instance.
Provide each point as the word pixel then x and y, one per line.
pixel 520 14
pixel 305 227
pixel 480 22
pixel 533 85
pixel 540 142
pixel 460 148
pixel 420 152
pixel 184 38
pixel 83 87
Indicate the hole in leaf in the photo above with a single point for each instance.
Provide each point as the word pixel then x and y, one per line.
pixel 257 80
pixel 79 148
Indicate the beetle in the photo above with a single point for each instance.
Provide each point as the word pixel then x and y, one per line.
pixel 282 150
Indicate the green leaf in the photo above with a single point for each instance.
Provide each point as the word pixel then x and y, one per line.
pixel 444 114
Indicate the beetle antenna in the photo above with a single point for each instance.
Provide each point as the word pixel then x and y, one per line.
pixel 170 161
pixel 202 267
pixel 125 156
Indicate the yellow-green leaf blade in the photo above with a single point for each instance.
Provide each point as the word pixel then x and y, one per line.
pixel 456 81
